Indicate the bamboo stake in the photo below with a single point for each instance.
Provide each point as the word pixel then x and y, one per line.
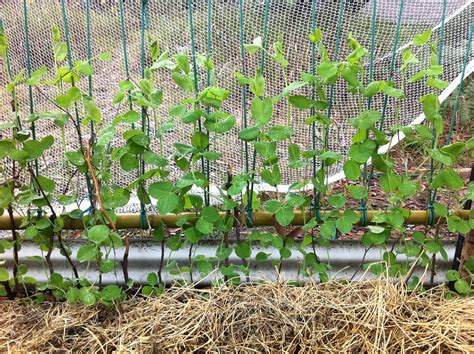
pixel 261 218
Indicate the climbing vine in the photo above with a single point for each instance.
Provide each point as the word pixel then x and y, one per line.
pixel 135 141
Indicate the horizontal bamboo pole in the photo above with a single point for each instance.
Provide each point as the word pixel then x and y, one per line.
pixel 261 218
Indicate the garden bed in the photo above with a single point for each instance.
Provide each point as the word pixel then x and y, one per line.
pixel 367 316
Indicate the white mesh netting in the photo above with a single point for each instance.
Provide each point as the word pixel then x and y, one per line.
pixel 169 23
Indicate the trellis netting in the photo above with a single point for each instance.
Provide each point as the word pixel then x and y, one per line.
pixel 218 29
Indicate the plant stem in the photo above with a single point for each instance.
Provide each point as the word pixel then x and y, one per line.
pixel 15 248
pixel 52 218
pixel 106 215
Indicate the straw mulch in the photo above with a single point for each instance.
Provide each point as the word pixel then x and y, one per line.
pixel 375 316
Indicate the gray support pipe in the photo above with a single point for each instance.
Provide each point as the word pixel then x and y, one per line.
pixel 344 258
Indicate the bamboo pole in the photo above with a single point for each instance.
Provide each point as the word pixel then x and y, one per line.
pixel 261 218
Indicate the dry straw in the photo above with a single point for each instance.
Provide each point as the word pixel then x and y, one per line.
pixel 369 316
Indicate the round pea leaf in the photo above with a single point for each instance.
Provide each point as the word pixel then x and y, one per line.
pixel 98 233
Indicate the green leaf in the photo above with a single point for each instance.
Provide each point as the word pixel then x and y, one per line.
pixel 255 46
pixel 152 279
pixel 87 252
pixel 86 297
pixel 422 38
pixel 449 179
pixel 262 110
pixel 75 157
pixel 249 134
pixel 452 275
pixel 204 226
pixel 261 257
pixel 300 102
pixel 98 234
pixel 272 206
pixel 462 287
pixel 200 140
pixel 337 201
pixel 316 36
pixel 111 293
pixel 4 275
pixel 374 88
pixel 469 264
pixel 223 252
pixel 128 162
pixel 389 182
pixel 280 132
pixel 193 235
pixel 351 170
pixel 294 152
pixel 285 252
pixel 63 101
pixel 361 152
pixel 60 51
pixel 131 117
pixel 367 119
pixel 105 56
pixel 257 84
pixel 84 68
pixel 432 247
pixel 46 184
pixel 243 250
pixel 210 214
pixel 92 111
pixel 327 70
pixel 285 216
pixel 105 135
pixel 418 237
pixel 344 225
pixel 191 117
pixel 167 202
pixel 265 149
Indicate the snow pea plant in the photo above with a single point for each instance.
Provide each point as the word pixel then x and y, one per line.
pixel 135 140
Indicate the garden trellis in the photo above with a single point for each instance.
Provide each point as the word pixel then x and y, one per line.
pixel 219 30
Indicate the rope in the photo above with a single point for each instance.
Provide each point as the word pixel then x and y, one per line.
pixel 244 89
pixel 28 70
pixel 78 119
pixel 254 159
